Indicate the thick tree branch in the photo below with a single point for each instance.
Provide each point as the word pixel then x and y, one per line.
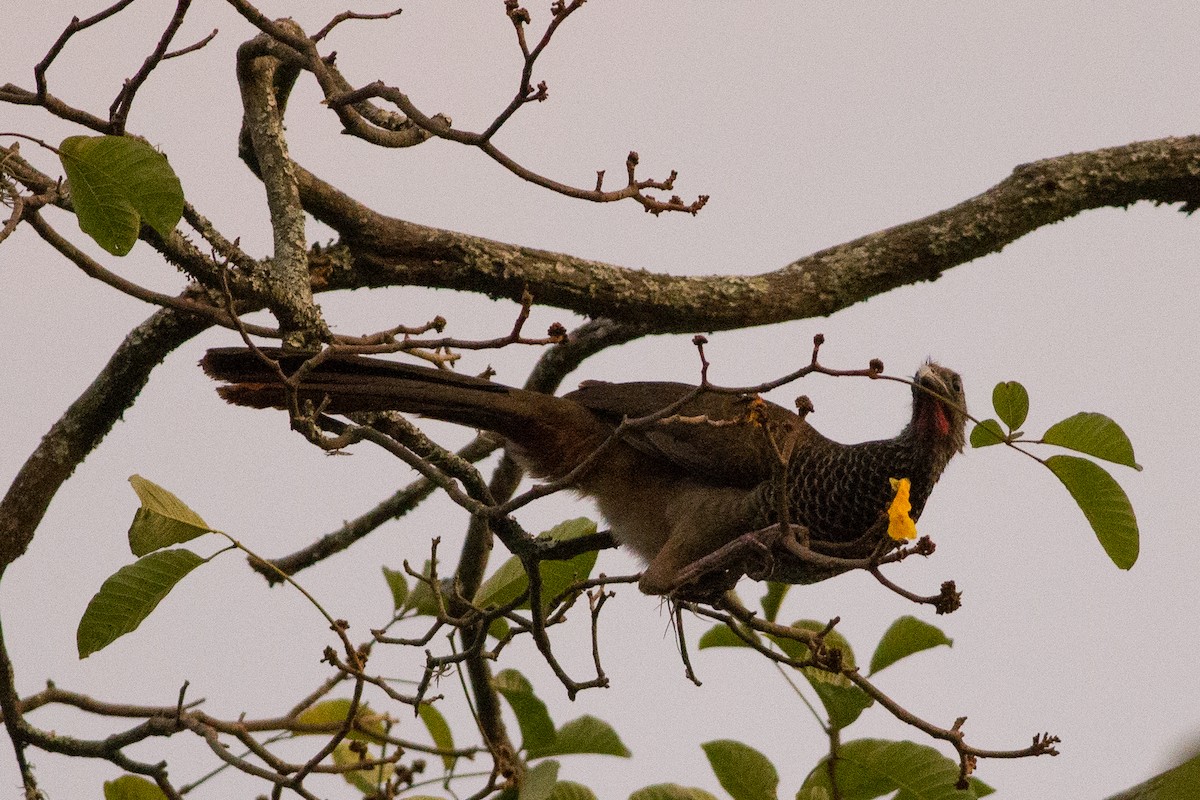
pixel 289 289
pixel 380 250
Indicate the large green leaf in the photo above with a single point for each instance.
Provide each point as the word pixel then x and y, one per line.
pixel 537 729
pixel 869 768
pixel 116 184
pixel 1011 402
pixel 162 520
pixel 670 791
pixel 587 734
pixel 742 771
pixel 132 787
pixel 906 636
pixel 129 595
pixel 1104 503
pixel 987 433
pixel 1094 434
pixel 439 731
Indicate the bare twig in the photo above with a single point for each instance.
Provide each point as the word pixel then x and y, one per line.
pixel 76 25
pixel 118 112
pixel 349 15
pixel 191 48
pixel 634 188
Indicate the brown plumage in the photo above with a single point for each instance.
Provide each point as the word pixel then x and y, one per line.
pixel 675 491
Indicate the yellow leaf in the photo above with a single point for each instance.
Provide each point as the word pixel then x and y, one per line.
pixel 900 524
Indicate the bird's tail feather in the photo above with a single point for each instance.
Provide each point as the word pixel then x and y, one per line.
pixel 346 384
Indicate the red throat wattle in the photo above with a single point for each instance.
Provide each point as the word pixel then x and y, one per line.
pixel 933 419
pixel 940 421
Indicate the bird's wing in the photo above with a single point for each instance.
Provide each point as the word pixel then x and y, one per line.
pixel 716 437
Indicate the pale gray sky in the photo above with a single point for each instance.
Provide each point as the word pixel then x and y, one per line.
pixel 808 125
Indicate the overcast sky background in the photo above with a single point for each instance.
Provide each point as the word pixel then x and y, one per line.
pixel 808 125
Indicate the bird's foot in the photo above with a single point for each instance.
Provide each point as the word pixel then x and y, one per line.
pixel 708 578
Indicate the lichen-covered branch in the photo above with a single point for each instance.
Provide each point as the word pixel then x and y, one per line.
pixel 376 250
pixel 288 288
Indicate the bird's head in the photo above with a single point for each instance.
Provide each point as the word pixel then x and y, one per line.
pixel 939 407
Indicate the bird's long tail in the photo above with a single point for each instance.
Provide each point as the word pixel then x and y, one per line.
pixel 346 384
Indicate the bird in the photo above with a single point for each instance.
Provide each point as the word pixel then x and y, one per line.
pixel 673 490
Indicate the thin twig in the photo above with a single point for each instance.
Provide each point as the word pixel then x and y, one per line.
pixel 118 112
pixel 349 15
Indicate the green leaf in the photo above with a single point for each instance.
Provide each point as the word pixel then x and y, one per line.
pixel 398 584
pixel 569 529
pixel 365 780
pixel 773 599
pixel 868 768
pixel 557 576
pixel 129 595
pixel 439 731
pixel 132 787
pixel 537 729
pixel 1094 434
pixel 331 713
pixel 1104 503
pixel 117 183
pixel 843 700
pixel 503 586
pixel 539 781
pixel 1011 402
pixel 587 734
pixel 569 790
pixel 670 791
pixel 162 520
pixel 833 639
pixel 980 788
pixel 510 581
pixel 720 636
pixel 1177 783
pixel 987 433
pixel 906 636
pixel 499 628
pixel 742 771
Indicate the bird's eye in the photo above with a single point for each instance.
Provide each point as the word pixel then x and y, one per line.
pixel 956 383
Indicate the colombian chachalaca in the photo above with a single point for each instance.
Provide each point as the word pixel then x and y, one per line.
pixel 673 491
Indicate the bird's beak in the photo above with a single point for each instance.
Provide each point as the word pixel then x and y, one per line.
pixel 928 377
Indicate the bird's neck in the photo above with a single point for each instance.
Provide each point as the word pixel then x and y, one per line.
pixel 933 436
